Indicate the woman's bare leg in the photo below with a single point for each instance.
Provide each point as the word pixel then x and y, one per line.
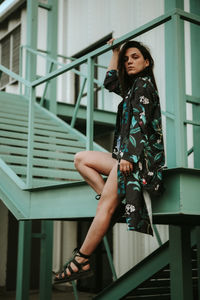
pixel 106 207
pixel 90 165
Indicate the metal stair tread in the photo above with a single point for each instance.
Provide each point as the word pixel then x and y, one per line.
pixel 54 143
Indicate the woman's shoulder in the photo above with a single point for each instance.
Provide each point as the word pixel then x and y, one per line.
pixel 144 82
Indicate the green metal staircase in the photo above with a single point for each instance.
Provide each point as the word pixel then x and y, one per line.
pixel 150 279
pixel 54 146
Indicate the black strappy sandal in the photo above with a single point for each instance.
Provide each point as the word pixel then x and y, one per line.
pixel 75 275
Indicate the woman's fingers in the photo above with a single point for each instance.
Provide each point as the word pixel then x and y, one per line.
pixel 110 42
pixel 115 49
pixel 126 166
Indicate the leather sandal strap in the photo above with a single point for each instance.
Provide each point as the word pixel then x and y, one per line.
pixel 79 253
pixel 70 269
pixel 77 264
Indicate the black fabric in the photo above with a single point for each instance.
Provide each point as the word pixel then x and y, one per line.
pixel 138 138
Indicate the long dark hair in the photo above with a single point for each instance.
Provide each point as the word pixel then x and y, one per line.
pixel 126 80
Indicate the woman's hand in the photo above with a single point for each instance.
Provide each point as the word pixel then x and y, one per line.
pixel 115 49
pixel 126 167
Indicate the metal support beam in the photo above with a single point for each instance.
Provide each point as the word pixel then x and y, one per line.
pixel 32 25
pixel 46 260
pixel 90 105
pixel 135 276
pixel 23 260
pixel 110 260
pixel 169 5
pixel 175 89
pixel 180 263
pixel 195 71
pixel 52 40
pixel 30 137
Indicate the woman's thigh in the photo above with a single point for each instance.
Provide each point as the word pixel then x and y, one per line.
pixel 102 162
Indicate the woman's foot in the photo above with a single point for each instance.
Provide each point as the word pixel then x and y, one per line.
pixel 78 267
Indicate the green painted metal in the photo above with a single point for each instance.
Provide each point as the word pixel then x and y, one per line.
pixel 90 105
pixel 54 143
pixel 180 263
pixel 157 235
pixel 23 260
pixel 102 117
pixel 32 26
pixel 30 137
pixel 78 103
pixel 175 92
pixel 182 184
pixel 169 5
pixel 110 260
pixel 44 5
pixel 148 26
pixel 46 256
pixel 75 290
pixel 52 41
pixel 195 63
pixel 138 274
pixel 15 76
pixel 192 99
pixel 46 85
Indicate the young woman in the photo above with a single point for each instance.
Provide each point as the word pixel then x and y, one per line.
pixel 137 159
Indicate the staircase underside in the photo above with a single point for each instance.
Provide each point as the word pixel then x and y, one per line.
pixel 150 279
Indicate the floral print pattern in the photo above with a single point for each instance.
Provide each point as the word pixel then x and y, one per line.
pixel 138 138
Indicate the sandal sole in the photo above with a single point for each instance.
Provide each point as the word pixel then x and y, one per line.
pixel 84 274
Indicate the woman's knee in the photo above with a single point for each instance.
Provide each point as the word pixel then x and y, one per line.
pixel 107 207
pixel 80 158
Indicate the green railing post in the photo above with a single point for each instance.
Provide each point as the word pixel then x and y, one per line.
pixel 46 251
pixel 32 25
pixel 52 49
pixel 30 136
pixel 195 63
pixel 180 263
pixel 46 85
pixel 23 260
pixel 175 92
pixel 20 67
pixel 90 105
pixel 78 103
pixel 110 259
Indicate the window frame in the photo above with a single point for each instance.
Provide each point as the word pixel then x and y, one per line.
pixel 9 34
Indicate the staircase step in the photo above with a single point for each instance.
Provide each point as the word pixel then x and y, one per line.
pixel 54 143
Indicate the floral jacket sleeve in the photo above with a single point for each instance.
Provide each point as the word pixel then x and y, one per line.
pixel 143 113
pixel 111 82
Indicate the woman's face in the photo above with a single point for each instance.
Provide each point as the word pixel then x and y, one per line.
pixel 134 61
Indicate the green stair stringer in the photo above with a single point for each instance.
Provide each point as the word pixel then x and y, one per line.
pixel 57 191
pixel 150 278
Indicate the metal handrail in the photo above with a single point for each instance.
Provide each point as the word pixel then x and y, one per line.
pixel 36 52
pixel 15 76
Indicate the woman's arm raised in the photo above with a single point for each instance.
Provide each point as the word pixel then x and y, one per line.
pixel 114 59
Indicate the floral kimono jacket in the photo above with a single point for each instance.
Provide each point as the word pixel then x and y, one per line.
pixel 138 139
